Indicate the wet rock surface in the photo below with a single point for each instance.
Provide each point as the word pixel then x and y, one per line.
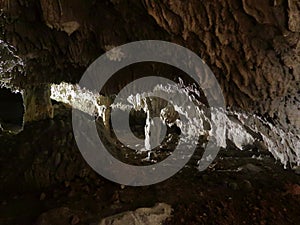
pixel 44 180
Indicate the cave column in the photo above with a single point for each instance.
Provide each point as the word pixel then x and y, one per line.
pixel 106 113
pixel 152 127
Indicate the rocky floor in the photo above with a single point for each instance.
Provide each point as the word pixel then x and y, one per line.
pixel 44 181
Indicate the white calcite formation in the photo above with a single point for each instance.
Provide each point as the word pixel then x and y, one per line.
pixel 81 99
pixel 9 62
pixel 193 118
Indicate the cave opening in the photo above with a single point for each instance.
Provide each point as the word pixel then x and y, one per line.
pixel 12 110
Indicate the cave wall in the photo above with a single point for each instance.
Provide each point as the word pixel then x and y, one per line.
pixel 252 46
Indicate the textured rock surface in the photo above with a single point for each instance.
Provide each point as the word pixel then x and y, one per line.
pixel 294 15
pixel 37 103
pixel 59 216
pixel 142 216
pixel 249 46
pixel 42 170
pixel 253 48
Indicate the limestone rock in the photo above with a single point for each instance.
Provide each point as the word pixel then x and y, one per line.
pixel 294 13
pixel 141 216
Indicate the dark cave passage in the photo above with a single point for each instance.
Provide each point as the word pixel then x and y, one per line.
pixel 12 110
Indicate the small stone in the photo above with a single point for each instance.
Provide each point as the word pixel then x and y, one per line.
pixel 42 196
pixel 297 170
pixel 67 184
pixel 75 220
